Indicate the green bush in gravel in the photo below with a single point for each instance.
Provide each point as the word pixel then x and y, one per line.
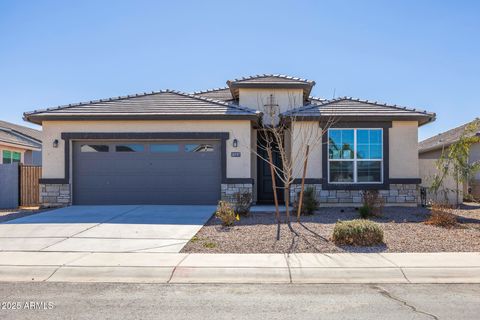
pixel 357 232
pixel 225 213
pixel 309 203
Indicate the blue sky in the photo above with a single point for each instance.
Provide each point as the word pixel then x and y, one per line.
pixel 423 54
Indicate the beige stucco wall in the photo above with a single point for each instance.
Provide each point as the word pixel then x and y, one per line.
pixel 475 183
pixel 428 169
pixel 475 156
pixel 307 133
pixel 403 140
pixel 286 99
pixel 53 158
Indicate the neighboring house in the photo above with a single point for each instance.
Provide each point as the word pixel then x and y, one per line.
pixel 431 149
pixel 169 147
pixel 20 144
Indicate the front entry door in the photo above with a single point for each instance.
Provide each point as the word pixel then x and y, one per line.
pixel 264 177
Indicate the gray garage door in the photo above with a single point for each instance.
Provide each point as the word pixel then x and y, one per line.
pixel 167 172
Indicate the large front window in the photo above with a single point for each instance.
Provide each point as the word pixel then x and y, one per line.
pixel 355 155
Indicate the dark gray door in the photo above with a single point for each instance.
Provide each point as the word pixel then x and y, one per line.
pixel 166 172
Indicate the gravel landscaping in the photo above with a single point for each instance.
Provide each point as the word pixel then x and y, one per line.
pixel 6 215
pixel 404 231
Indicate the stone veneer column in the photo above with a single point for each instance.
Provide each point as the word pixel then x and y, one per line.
pixel 55 195
pixel 398 194
pixel 229 190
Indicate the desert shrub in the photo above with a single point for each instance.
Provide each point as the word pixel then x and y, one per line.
pixel 441 216
pixel 309 201
pixel 357 233
pixel 243 202
pixel 225 213
pixel 372 204
pixel 365 212
pixel 210 245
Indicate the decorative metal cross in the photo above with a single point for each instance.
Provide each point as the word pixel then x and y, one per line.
pixel 271 106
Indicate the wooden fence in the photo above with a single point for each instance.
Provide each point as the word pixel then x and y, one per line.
pixel 29 187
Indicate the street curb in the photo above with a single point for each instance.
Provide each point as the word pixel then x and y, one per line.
pixel 240 268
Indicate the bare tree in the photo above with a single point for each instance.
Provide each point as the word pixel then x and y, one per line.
pixel 292 138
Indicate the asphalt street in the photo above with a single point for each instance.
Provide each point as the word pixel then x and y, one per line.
pixel 288 301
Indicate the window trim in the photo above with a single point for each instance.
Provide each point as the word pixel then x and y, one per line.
pixel 355 160
pixel 95 144
pixel 386 125
pixel 127 144
pixel 11 156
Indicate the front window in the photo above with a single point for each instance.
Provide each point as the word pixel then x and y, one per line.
pixel 130 147
pixel 198 148
pixel 355 155
pixel 11 156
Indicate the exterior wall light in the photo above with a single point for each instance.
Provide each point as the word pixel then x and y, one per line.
pixel 235 143
pixel 55 143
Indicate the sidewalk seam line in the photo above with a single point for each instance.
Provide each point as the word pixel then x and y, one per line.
pixel 396 265
pixel 288 267
pixel 62 265
pixel 175 268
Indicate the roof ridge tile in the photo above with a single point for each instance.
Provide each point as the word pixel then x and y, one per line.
pixel 277 75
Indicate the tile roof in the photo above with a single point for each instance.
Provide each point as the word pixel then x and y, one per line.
pixel 222 94
pixel 157 104
pixel 350 107
pixel 270 81
pixel 29 132
pixel 444 139
pixel 20 135
pixel 271 78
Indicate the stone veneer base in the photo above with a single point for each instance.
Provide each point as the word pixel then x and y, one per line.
pixel 55 195
pixel 397 195
pixel 230 189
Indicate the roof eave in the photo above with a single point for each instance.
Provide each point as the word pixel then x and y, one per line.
pixel 21 145
pixel 422 119
pixel 38 119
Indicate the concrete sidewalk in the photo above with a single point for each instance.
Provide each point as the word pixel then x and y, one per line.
pixel 241 268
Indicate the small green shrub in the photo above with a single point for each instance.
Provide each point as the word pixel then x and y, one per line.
pixel 372 204
pixel 357 233
pixel 309 203
pixel 364 212
pixel 225 213
pixel 210 245
pixel 243 202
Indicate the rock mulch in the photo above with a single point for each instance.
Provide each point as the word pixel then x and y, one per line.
pixel 6 215
pixel 404 231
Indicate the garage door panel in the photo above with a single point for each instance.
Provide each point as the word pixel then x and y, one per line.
pixel 140 197
pixel 147 177
pixel 135 181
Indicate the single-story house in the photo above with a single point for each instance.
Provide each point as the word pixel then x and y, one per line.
pixel 20 144
pixel 170 147
pixel 431 149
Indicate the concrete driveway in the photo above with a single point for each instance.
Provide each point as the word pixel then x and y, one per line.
pixel 144 228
